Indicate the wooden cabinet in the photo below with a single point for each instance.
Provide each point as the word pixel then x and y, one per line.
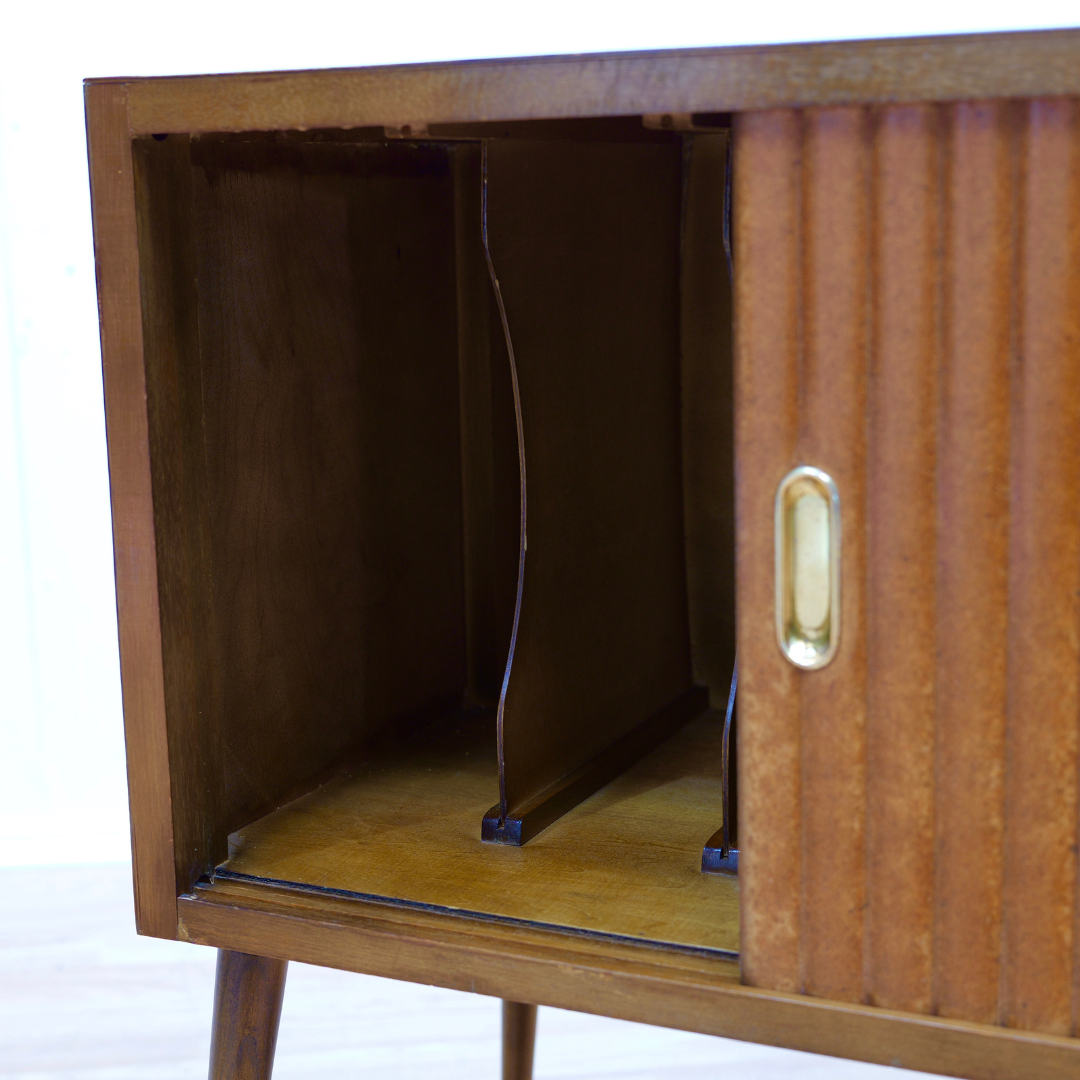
pixel 441 460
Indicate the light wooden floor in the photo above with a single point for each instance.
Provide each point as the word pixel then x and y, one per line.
pixel 406 824
pixel 83 998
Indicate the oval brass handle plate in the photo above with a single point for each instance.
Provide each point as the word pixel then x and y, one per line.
pixel 808 567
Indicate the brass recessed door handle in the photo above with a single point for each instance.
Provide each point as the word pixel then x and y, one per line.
pixel 808 567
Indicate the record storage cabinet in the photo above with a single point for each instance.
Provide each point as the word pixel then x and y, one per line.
pixel 447 409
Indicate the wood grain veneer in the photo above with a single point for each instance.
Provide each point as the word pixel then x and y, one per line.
pixel 518 1040
pixel 767 305
pixel 247 1010
pixel 632 982
pixel 490 484
pixel 906 248
pixel 1042 733
pixel 116 255
pixel 708 386
pixel 584 246
pixel 625 862
pixel 901 565
pixel 174 398
pixel 972 551
pixel 951 68
pixel 832 435
pixel 951 231
pixel 309 598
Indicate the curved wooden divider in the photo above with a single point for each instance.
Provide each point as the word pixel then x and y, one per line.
pixel 585 238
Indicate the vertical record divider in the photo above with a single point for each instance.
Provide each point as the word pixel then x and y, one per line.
pixel 582 245
pixel 523 543
pixel 706 316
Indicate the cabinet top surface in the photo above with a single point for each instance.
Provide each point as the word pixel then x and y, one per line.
pixel 951 68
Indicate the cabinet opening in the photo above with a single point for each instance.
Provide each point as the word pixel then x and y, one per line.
pixel 441 443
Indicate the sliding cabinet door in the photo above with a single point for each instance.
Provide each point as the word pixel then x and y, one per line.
pixel 908 321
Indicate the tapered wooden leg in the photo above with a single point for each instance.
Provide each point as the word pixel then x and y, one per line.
pixel 519 1039
pixel 247 1008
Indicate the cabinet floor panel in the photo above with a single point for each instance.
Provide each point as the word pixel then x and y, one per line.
pixel 405 826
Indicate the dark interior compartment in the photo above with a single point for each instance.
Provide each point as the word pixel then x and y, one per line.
pixel 336 470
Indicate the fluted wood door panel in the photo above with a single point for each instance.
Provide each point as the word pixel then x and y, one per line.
pixel 766 422
pixel 900 466
pixel 908 319
pixel 1044 585
pixel 972 559
pixel 832 428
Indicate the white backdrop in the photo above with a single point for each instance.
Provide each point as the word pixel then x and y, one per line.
pixel 62 787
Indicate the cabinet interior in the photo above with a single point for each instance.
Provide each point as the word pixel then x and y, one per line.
pixel 337 430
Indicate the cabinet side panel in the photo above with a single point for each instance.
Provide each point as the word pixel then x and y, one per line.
pixel 973 516
pixel 178 467
pixel 901 438
pixel 766 255
pixel 832 426
pixel 116 252
pixel 1044 582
